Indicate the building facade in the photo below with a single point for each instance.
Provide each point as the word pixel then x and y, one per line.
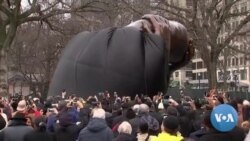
pixel 233 70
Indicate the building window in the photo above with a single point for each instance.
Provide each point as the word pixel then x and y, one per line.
pixel 243 74
pixel 233 61
pixel 221 63
pixel 236 61
pixel 241 60
pixel 176 74
pixel 189 73
pixel 194 76
pixel 205 75
pixel 233 25
pixel 244 7
pixel 194 66
pixel 241 47
pixel 199 65
pixel 220 76
pixel 228 62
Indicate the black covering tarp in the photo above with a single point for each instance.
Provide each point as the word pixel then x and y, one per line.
pixel 124 60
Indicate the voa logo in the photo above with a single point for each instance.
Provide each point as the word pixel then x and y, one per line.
pixel 224 118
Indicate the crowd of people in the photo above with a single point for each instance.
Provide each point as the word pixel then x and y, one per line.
pixel 108 117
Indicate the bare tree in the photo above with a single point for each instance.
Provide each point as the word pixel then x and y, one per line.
pixel 13 14
pixel 210 23
pixel 211 20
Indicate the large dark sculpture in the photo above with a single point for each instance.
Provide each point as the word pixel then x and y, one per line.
pixel 130 60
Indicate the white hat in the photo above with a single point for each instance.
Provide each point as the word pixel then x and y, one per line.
pixel 246 102
pixel 161 106
pixel 21 106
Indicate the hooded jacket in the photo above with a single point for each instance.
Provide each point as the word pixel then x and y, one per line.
pixel 96 130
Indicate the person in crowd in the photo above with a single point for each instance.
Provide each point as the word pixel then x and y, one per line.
pixel 3 117
pixel 144 116
pixel 247 137
pixel 245 126
pixel 116 112
pixel 125 131
pixel 143 135
pixel 7 109
pixel 97 128
pixel 152 110
pixel 246 110
pixel 51 119
pixel 16 129
pixel 170 130
pixel 39 134
pixel 67 129
pixel 22 106
pixel 30 121
pixel 2 123
pixel 237 134
pixel 237 104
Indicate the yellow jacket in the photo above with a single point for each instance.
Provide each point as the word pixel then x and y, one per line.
pixel 166 137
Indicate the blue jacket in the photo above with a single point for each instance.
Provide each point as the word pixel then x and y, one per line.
pixel 51 121
pixel 96 130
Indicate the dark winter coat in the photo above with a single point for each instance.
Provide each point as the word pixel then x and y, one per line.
pixel 236 134
pixel 123 137
pixel 69 133
pixel 96 130
pixel 39 136
pixel 15 131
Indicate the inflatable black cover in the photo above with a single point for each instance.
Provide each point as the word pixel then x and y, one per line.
pixel 124 60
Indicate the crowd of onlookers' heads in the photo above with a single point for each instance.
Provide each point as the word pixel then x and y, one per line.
pixel 113 118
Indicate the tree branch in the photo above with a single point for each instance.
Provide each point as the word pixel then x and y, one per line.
pixel 5 11
pixel 33 9
pixel 174 7
pixel 131 7
pixel 234 47
pixel 236 31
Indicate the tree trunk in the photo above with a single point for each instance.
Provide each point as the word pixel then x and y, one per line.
pixel 225 75
pixel 7 36
pixel 3 73
pixel 212 73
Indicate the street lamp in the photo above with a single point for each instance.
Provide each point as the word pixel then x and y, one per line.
pixel 199 78
pixel 235 81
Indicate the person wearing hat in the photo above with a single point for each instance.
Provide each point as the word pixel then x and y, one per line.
pixel 39 134
pixel 66 129
pixel 22 106
pixel 169 127
pixel 16 129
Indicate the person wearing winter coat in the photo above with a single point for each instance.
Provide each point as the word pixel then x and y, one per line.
pixel 125 131
pixel 39 134
pixel 97 128
pixel 16 129
pixel 143 132
pixel 67 129
pixel 170 127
